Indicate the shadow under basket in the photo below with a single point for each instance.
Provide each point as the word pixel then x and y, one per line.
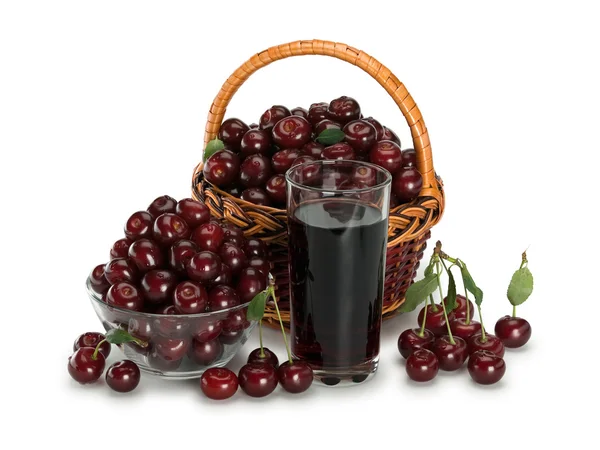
pixel 409 224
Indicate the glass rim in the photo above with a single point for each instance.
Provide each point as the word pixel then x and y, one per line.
pixel 323 162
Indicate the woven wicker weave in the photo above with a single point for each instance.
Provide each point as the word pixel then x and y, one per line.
pixel 409 224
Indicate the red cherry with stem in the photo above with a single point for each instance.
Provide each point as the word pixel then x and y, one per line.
pixel 257 380
pixel 190 297
pixel 205 353
pixel 234 257
pixel 514 332
pixel 313 149
pixel 192 212
pixel 485 341
pixel 255 247
pixel 389 135
pixel 139 225
pixel 180 253
pixel 343 109
pixel 263 356
pixel 157 286
pixel 85 366
pixel 486 367
pixel 276 187
pixel 121 269
pixel 451 352
pixel 463 305
pixel 341 150
pixel 146 255
pixel 123 376
pixel 422 365
pixel 413 339
pixel 295 377
pixel 386 154
pixel 222 297
pixel 218 383
pixel 209 236
pixel 464 330
pixel 98 281
pixel 317 112
pixel 233 234
pixel 435 321
pixel 273 115
pixel 360 134
pixel 254 142
pixel 222 168
pixel 161 205
pixel 92 339
pixel 120 248
pixel 377 125
pixel 204 266
pixel 126 296
pixel 232 131
pixel 409 157
pixel 169 228
pixel 256 196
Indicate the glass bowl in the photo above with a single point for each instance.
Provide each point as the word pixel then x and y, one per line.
pixel 179 346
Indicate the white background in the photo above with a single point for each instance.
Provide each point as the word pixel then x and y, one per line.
pixel 102 108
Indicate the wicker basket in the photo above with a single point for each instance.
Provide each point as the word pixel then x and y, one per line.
pixel 409 224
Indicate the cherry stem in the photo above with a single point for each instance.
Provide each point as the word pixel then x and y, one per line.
pixel 422 332
pixel 514 310
pixel 97 349
pixel 262 351
pixel 438 270
pixel 483 336
pixel 434 307
pixel 468 321
pixel 287 347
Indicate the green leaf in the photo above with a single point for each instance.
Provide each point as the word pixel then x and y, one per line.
pixel 212 147
pixel 256 308
pixel 429 269
pixel 418 292
pixel 470 284
pixel 520 287
pixel 451 295
pixel 331 136
pixel 117 336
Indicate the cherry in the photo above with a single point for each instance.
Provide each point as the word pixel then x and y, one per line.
pixel 170 349
pixel 514 332
pixel 233 189
pixel 386 154
pixel 170 326
pixel 409 157
pixel 317 112
pixel 235 321
pixel 257 380
pixel 261 264
pixel 283 159
pixel 326 124
pixel 250 282
pixel 156 361
pixel 303 159
pixel 221 168
pixel 255 141
pixel 157 286
pixel 140 328
pixel 364 176
pixel 389 135
pixel 394 201
pixel 139 225
pixel 208 331
pixel 225 277
pixel 308 174
pixel 255 171
pixel 264 356
pixel 120 248
pixel 121 269
pixel 146 255
pixel 125 295
pixel 277 186
pixel 92 339
pixel 486 367
pixel 422 365
pixel 295 377
pixel 273 115
pixel 462 329
pixel 222 297
pixel 377 125
pixel 218 383
pixel 169 228
pixel 411 340
pixel 205 353
pixel 450 356
pixel 232 131
pixel 123 376
pixel 360 134
pixel 234 257
pixel 253 126
pixel 161 205
pixel 313 149
pixel 490 343
pixel 190 297
pixel 343 109
pixel 341 150
pixel 256 196
pixel 292 132
pixel 407 184
pixel 98 281
pixel 180 253
pixel 230 337
pixel 83 367
pixel 298 111
pixel 233 234
pixel 193 212
pixel 435 322
pixel 460 310
pixel 209 236
pixel 204 266
pixel 255 247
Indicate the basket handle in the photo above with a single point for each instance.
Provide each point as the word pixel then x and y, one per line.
pixel 378 71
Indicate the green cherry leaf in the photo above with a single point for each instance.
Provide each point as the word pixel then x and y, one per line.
pixel 331 136
pixel 520 287
pixel 418 292
pixel 256 308
pixel 117 337
pixel 470 284
pixel 213 147
pixel 451 295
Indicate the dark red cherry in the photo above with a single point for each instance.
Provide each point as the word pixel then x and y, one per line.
pixel 409 157
pixel 157 286
pixel 255 247
pixel 257 196
pixel 84 368
pixel 386 154
pixel 141 328
pixel 208 330
pixel 263 356
pixel 317 112
pixel 486 367
pixel 225 277
pixel 121 269
pixel 205 353
pixel 234 189
pixel 343 110
pixel 232 131
pixel 121 247
pixel 98 281
pixel 218 383
pixel 222 297
pixel 295 377
pixel 436 322
pixel 394 201
pixel 291 132
pixel 146 255
pixel 298 111
pixel 462 329
pixel 283 159
pixel 126 296
pixel 411 340
pixel 303 159
pixel 407 184
pixel 460 310
pixel 156 361
pixel 161 205
pixel 364 176
pixel 230 337
pixel 234 257
pixel 277 188
pixel 334 180
pixel 255 171
pixel 490 343
pixel 361 135
pixel 170 326
pixel 193 212
pixel 139 225
pixel 235 321
pixel 170 349
pixel 273 115
pixel 180 253
pixel 450 356
pixel 261 264
pixel 326 124
pixel 514 332
pixel 204 266
pixel 389 135
pixel 257 380
pixel 169 228
pixel 313 149
pixel 377 125
pixel 308 174
pixel 190 297
pixel 123 376
pixel 422 365
pixel 250 282
pixel 233 234
pixel 222 168
pixel 92 339
pixel 209 236
pixel 341 150
pixel 256 141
